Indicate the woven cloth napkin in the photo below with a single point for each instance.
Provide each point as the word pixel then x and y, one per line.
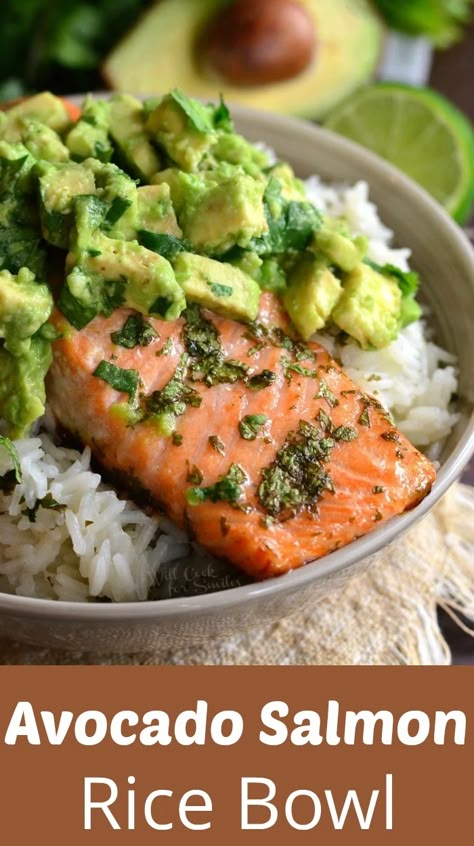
pixel 387 615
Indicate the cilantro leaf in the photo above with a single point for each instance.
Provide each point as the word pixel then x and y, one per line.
pixel 125 381
pixel 228 489
pixel 222 116
pixel 11 449
pixel 136 332
pixel 197 114
pixel 250 426
pixel 159 242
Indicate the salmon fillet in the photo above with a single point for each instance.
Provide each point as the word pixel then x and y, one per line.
pixel 322 466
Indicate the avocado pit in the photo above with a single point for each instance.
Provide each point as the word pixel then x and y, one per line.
pixel 258 42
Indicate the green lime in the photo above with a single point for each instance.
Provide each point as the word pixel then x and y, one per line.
pixel 420 132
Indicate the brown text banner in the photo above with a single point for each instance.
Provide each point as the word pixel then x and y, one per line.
pixel 221 755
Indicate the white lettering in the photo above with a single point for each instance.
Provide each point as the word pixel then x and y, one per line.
pixel 22 724
pixel 103 804
pixel 236 728
pixel 185 809
pixel 262 803
pixel 316 810
pixel 280 731
pixel 149 818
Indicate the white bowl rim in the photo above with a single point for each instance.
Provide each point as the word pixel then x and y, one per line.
pixel 364 547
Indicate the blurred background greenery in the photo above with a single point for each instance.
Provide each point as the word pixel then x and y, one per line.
pixel 60 44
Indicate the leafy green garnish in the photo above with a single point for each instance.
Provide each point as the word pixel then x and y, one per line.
pixel 12 451
pixel 297 478
pixel 408 282
pixel 98 296
pixel 291 223
pixel 196 113
pixel 136 332
pixel 261 380
pixel 251 424
pixel 222 116
pixel 159 242
pixel 202 342
pixel 117 208
pixel 440 20
pixel 176 394
pixel 220 290
pixel 228 489
pixel 325 393
pixel 125 381
pixel 216 443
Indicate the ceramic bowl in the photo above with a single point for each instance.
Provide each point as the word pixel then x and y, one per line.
pixel 445 260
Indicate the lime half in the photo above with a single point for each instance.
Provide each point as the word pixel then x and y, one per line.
pixel 420 132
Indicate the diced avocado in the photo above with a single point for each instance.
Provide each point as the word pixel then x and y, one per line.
pixel 127 128
pixel 89 137
pixel 227 214
pixel 119 192
pixel 291 187
pixel 42 141
pixel 272 277
pixel 22 391
pixel 25 305
pixel 369 309
pixel 312 294
pixel 218 286
pixel 44 108
pixel 344 252
pixel 25 355
pixel 236 150
pixel 155 210
pixel 184 128
pixel 106 273
pixel 217 209
pixel 57 188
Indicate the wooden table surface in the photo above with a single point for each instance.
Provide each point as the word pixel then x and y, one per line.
pixel 453 75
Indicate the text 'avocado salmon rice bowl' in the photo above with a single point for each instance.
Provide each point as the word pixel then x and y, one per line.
pixel 200 355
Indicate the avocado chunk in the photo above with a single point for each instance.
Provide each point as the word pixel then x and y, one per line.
pixel 25 355
pixel 57 188
pixel 341 250
pixel 119 193
pixel 127 129
pixel 155 210
pixel 312 294
pixel 235 149
pixel 42 141
pixel 44 108
pixel 217 209
pixel 105 272
pixel 369 309
pixel 22 390
pixel 218 286
pixel 184 128
pixel 291 187
pixel 89 137
pixel 349 35
pixel 25 305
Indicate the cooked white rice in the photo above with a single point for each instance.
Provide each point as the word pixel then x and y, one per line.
pixel 97 545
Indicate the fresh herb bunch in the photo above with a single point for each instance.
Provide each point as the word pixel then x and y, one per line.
pixel 442 21
pixel 59 43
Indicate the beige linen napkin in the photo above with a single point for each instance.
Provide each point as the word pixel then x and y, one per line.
pixel 387 615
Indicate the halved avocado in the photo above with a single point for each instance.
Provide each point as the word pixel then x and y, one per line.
pixel 163 51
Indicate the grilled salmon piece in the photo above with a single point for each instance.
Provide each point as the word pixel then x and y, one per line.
pixel 277 457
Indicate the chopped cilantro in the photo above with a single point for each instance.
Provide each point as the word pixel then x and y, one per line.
pixel 177 439
pixel 378 489
pixel 136 332
pixel 125 381
pixel 14 474
pixel 159 242
pixel 176 394
pixel 222 118
pixel 250 425
pixel 364 418
pixel 344 433
pixel 325 393
pixel 228 489
pixel 195 475
pixel 220 290
pixel 217 444
pixel 165 349
pixel 290 367
pixel 46 502
pixel 197 114
pixel 261 380
pixel 296 479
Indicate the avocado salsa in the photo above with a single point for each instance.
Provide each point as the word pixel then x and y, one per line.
pixel 160 206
